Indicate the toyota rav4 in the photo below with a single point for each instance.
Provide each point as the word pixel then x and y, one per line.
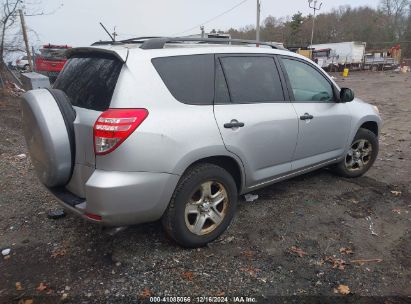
pixel 176 129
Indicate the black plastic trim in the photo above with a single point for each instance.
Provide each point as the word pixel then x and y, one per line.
pixel 69 115
pixel 66 196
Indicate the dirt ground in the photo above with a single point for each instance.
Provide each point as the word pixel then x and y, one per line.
pixel 299 241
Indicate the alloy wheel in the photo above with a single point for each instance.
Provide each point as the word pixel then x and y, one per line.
pixel 359 155
pixel 206 208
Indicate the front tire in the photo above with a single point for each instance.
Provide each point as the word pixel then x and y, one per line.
pixel 361 155
pixel 202 206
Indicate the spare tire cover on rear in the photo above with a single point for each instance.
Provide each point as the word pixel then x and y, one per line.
pixel 48 128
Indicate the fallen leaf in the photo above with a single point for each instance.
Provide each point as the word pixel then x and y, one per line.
pixel 396 193
pixel 346 250
pixel 220 293
pixel 18 286
pixel 187 275
pixel 336 263
pixel 26 301
pixel 343 289
pixel 251 271
pixel 248 253
pixel 41 287
pixel 58 252
pixel 146 293
pixel 298 251
pixel 397 210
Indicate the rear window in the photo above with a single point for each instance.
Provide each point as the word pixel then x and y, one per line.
pixel 190 79
pixel 89 82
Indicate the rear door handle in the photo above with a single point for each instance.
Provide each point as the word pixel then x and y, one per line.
pixel 234 124
pixel 306 116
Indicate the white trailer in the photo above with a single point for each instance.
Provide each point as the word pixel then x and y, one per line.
pixel 339 55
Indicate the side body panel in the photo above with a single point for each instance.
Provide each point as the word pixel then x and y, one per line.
pixel 267 141
pixel 325 136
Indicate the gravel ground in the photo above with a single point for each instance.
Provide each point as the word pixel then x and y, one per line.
pixel 302 237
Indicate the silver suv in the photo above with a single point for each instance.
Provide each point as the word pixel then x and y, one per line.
pixel 176 129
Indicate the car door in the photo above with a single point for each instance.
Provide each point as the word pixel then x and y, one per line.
pixel 324 122
pixel 255 121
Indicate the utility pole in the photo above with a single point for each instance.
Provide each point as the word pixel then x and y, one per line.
pixel 315 8
pixel 26 40
pixel 258 20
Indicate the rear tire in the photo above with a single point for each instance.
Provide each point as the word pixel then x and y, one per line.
pixel 361 155
pixel 202 206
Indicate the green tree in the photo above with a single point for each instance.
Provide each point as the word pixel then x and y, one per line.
pixel 295 24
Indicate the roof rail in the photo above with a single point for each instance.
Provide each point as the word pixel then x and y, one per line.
pixel 102 42
pixel 159 43
pixel 130 40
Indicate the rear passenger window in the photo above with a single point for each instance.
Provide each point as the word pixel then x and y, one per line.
pixel 252 79
pixel 89 82
pixel 190 79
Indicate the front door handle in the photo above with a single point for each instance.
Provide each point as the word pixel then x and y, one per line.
pixel 234 124
pixel 306 116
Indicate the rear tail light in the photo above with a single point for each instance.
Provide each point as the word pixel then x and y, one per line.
pixel 114 126
pixel 92 216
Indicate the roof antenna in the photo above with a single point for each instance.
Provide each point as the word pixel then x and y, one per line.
pixel 108 33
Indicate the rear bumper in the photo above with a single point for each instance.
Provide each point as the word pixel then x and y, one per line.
pixel 121 198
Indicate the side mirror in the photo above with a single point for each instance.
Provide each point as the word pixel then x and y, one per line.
pixel 346 95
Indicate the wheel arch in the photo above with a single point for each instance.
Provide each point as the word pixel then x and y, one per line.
pixel 370 121
pixel 371 126
pixel 226 162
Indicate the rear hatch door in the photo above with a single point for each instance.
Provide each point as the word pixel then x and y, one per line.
pixel 89 80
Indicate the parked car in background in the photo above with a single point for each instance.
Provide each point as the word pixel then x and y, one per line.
pixel 51 60
pixel 176 130
pixel 23 63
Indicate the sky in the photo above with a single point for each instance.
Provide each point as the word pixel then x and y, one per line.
pixel 76 22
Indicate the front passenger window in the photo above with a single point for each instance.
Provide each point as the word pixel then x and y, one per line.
pixel 308 84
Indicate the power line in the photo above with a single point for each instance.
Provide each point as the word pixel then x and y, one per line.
pixel 212 19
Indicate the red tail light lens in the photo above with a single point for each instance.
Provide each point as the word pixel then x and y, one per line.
pixel 94 216
pixel 114 126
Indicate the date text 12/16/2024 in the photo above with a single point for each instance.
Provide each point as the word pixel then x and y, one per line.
pixel 223 299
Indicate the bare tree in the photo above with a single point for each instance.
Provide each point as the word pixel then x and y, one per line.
pixel 8 20
pixel 10 30
pixel 396 13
